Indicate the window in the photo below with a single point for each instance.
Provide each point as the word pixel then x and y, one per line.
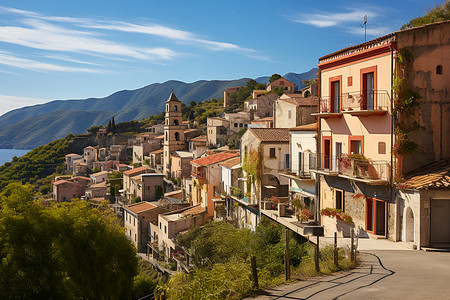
pixel 356 145
pixel 289 114
pixel 287 161
pixel 175 108
pixel 175 122
pixel 349 81
pixel 167 136
pixel 335 96
pixel 381 148
pixel 177 136
pixel 159 225
pixel 339 199
pixel 272 152
pixel 134 222
pixel 165 229
pixel 240 124
pixel 439 69
pixel 135 237
pixel 235 125
pixel 167 107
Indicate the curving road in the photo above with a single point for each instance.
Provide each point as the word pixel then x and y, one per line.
pixel 382 274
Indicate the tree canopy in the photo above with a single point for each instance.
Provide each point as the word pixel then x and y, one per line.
pixel 438 13
pixel 274 77
pixel 62 251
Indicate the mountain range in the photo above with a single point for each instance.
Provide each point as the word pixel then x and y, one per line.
pixel 32 126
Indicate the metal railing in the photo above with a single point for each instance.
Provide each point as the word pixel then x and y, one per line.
pixel 352 165
pixel 356 101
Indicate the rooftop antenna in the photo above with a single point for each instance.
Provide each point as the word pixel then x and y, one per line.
pixel 365 28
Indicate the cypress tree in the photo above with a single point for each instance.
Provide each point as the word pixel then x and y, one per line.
pixel 113 126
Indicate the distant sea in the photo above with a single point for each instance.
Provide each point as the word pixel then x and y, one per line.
pixel 7 154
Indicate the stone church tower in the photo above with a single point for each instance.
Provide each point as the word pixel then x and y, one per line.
pixel 173 130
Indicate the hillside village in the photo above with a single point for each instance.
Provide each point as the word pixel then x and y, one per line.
pixel 364 149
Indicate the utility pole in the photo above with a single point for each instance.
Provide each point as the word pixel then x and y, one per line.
pixel 287 258
pixel 365 28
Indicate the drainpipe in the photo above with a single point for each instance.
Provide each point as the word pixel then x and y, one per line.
pixel 391 185
pixel 318 147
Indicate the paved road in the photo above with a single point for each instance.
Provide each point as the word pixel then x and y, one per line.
pixel 383 274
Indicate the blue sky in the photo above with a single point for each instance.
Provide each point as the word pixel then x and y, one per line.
pixel 78 49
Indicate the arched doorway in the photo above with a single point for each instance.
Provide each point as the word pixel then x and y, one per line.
pixel 409 226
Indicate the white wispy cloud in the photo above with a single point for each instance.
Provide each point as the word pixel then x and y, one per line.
pixel 148 29
pixel 69 59
pixel 41 35
pixel 328 19
pixel 11 60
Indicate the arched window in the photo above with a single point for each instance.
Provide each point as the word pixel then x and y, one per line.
pixel 175 108
pixel 175 122
pixel 439 69
pixel 167 107
pixel 307 94
pixel 167 136
pixel 177 136
pixel 167 121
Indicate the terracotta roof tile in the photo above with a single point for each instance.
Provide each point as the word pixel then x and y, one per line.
pixel 310 101
pixel 307 127
pixel 215 158
pixel 62 181
pixel 434 175
pixel 135 171
pixel 140 207
pixel 194 210
pixel 271 134
pixel 73 154
pixel 231 162
pixel 201 138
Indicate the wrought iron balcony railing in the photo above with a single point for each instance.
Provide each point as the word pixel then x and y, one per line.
pixel 356 101
pixel 354 165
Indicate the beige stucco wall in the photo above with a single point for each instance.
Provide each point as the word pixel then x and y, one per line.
pixel 285 114
pixel 383 79
pixel 374 129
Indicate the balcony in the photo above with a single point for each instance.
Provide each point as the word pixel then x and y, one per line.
pixel 357 103
pixel 354 167
pixel 364 104
pixel 238 195
pixel 326 109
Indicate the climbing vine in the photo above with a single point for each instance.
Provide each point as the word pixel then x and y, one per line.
pixel 253 166
pixel 405 102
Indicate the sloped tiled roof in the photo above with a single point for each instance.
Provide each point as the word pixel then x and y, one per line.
pixel 157 151
pixel 62 181
pixel 135 171
pixel 307 127
pixel 140 207
pixel 231 162
pixel 215 158
pixel 172 97
pixel 194 210
pixel 310 101
pixel 434 175
pixel 201 138
pixel 271 134
pixel 73 154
